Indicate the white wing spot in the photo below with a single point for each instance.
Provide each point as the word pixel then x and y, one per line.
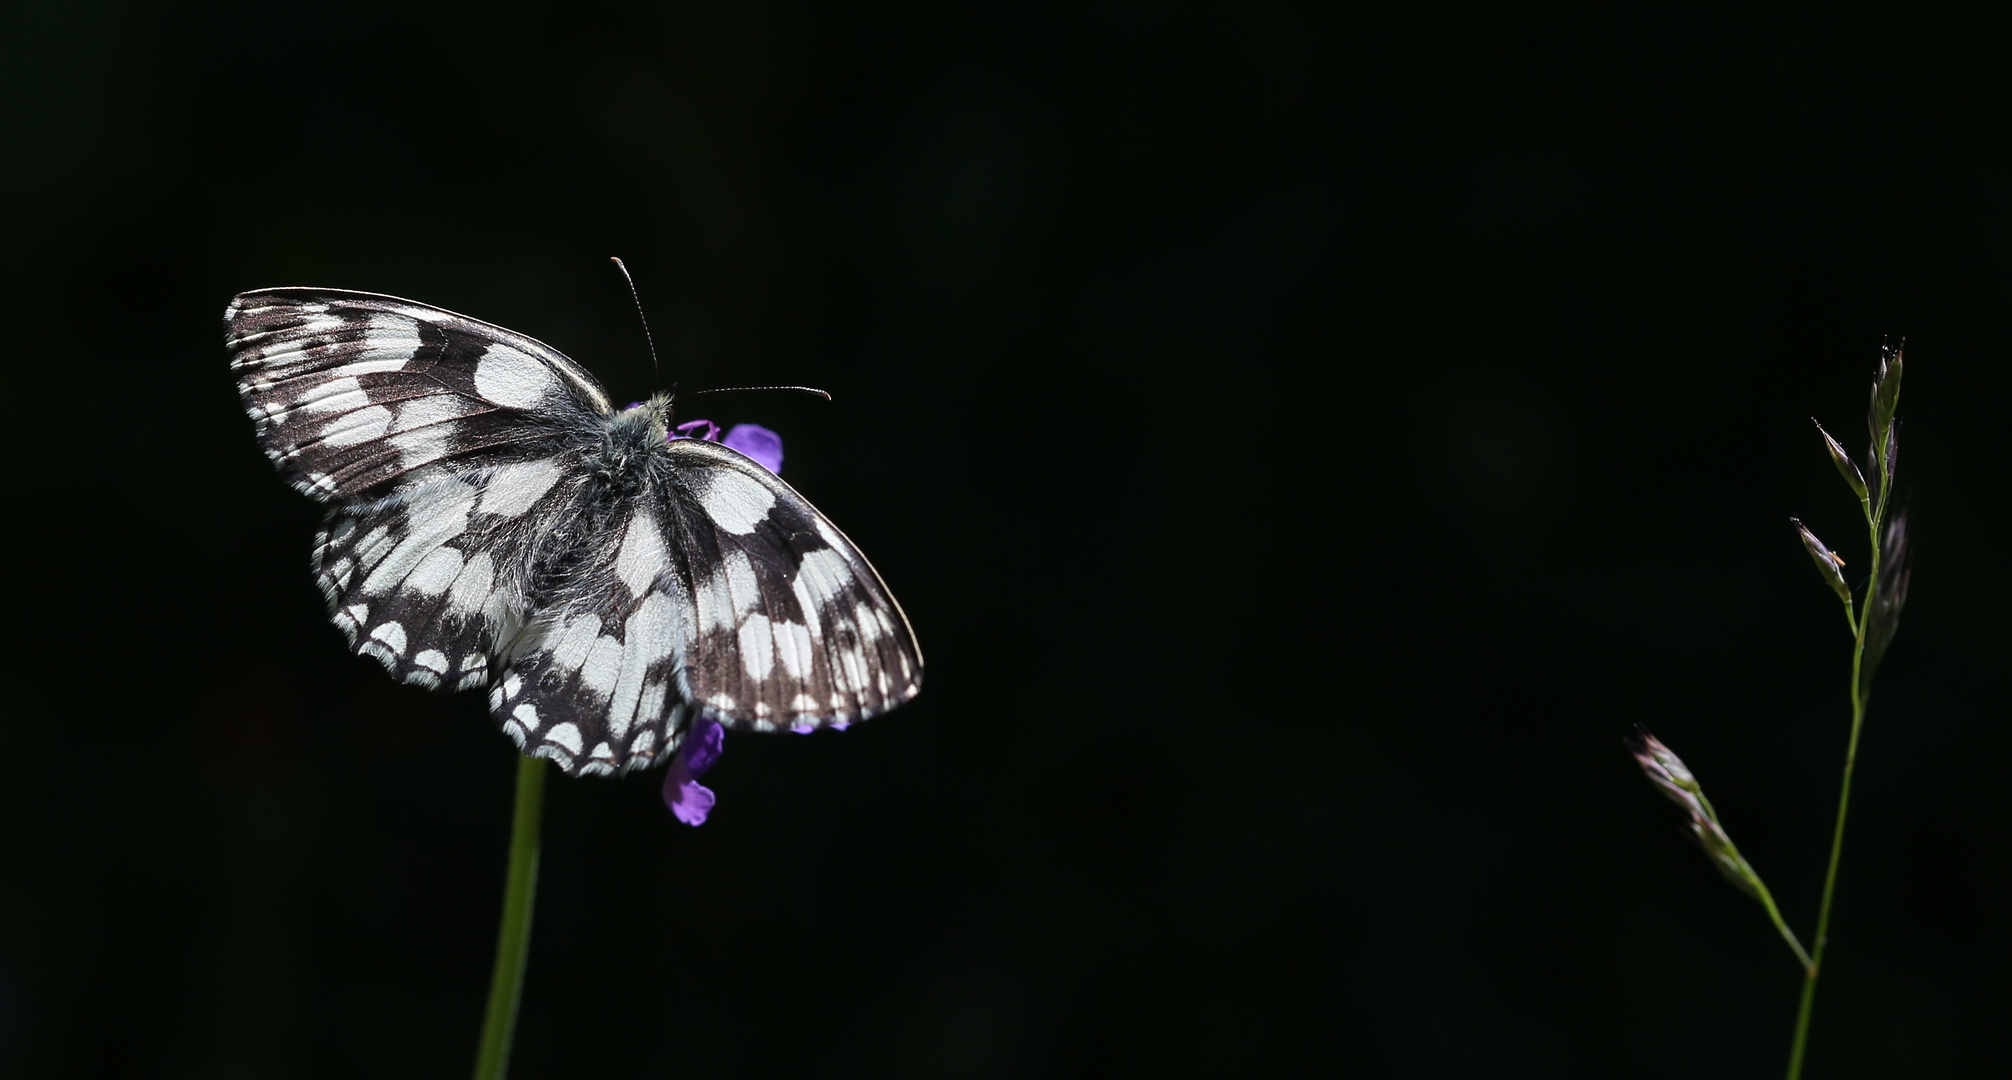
pixel 513 488
pixel 331 396
pixel 871 625
pixel 473 586
pixel 648 635
pixel 713 598
pixel 435 572
pixel 757 650
pixel 642 555
pixel 574 643
pixel 557 756
pixel 603 667
pixel 565 735
pixel 735 503
pixel 793 645
pixel 651 706
pixel 392 634
pixel 420 445
pixel 385 346
pixel 511 379
pixel 432 658
pixel 436 515
pixel 360 426
pixel 741 581
pixel 852 665
pixel 528 713
pixel 372 547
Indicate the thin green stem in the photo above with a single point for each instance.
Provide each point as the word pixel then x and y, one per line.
pixel 1761 892
pixel 1767 901
pixel 513 942
pixel 1858 624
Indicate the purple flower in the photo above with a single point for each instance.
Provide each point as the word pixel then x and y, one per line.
pixel 688 799
pixel 754 440
pixel 697 429
pixel 757 442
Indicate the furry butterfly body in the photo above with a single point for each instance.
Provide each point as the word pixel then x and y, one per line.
pixel 494 521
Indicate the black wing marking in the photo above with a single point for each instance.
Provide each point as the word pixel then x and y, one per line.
pixel 435 580
pixel 792 626
pixel 354 394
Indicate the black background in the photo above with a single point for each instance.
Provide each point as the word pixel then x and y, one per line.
pixel 1305 439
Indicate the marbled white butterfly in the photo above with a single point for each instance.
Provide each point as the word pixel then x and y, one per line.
pixel 495 521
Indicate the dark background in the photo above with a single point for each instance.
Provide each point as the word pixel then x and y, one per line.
pixel 1305 439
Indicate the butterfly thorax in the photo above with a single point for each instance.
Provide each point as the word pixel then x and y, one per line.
pixel 628 447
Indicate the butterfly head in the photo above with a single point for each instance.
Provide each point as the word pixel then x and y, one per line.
pixel 629 443
pixel 652 418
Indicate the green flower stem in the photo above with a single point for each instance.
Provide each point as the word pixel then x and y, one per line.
pixel 1761 893
pixel 1874 515
pixel 520 887
pixel 1767 901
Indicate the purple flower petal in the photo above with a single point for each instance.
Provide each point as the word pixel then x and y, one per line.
pixel 689 800
pixel 702 747
pixel 696 429
pixel 757 442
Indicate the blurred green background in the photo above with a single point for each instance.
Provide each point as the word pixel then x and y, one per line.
pixel 1306 438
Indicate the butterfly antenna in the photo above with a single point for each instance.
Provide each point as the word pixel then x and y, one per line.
pixel 656 369
pixel 756 389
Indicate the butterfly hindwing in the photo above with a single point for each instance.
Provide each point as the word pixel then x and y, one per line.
pixel 593 683
pixel 354 394
pixel 433 580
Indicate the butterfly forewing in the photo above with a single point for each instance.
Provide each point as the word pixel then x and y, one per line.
pixel 354 393
pixel 793 628
pixel 495 522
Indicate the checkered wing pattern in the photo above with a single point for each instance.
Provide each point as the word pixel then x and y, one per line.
pixel 494 522
pixel 355 395
pixel 436 579
pixel 723 592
